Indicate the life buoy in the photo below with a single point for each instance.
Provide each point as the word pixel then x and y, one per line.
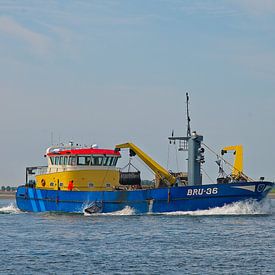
pixel 43 182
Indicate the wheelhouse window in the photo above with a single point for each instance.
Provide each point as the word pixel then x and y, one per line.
pixel 72 160
pixel 83 160
pixel 61 160
pixel 108 161
pixel 115 161
pixel 56 160
pixel 97 161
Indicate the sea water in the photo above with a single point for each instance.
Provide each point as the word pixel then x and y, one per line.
pixel 236 239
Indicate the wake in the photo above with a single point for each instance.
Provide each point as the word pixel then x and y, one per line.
pixel 127 211
pixel 10 209
pixel 249 207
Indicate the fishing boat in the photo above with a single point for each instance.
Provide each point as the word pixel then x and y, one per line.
pixel 85 179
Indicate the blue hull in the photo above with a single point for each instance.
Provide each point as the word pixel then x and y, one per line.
pixel 186 198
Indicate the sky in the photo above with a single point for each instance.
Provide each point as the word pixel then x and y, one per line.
pixel 108 72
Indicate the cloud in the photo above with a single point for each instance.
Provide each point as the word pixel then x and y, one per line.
pixel 223 8
pixel 257 6
pixel 37 41
pixel 207 8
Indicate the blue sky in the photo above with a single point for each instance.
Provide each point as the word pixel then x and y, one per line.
pixel 111 71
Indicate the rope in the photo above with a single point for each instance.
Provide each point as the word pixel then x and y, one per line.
pixel 177 158
pixel 208 175
pixel 105 175
pixel 226 162
pixel 129 164
pixel 168 157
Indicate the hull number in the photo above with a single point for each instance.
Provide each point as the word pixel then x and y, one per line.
pixel 201 191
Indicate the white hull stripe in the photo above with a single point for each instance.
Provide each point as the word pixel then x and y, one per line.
pixel 249 187
pixel 268 188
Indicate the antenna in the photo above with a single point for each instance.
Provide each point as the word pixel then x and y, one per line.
pixel 51 137
pixel 188 117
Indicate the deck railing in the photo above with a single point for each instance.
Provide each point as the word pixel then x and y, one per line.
pixel 31 172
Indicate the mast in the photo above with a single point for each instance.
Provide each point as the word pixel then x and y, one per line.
pixel 188 116
pixel 192 144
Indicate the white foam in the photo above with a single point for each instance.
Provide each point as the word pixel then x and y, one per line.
pixel 10 209
pixel 127 211
pixel 249 207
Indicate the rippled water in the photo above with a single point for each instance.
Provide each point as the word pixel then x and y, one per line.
pixel 238 239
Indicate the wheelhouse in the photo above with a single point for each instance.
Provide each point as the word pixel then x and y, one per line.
pixel 82 157
pixel 76 168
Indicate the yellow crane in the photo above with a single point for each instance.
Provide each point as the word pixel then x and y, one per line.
pixel 237 171
pixel 154 166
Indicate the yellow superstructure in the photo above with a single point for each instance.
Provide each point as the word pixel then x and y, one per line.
pixel 83 180
pixel 78 169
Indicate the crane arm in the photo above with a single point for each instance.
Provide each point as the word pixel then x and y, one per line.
pixel 238 162
pixel 157 168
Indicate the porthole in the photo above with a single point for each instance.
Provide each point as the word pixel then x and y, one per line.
pixel 90 185
pixel 52 184
pixel 108 185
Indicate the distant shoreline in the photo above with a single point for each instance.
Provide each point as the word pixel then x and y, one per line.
pixel 7 195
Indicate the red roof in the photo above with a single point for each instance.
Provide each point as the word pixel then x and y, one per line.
pixel 85 151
